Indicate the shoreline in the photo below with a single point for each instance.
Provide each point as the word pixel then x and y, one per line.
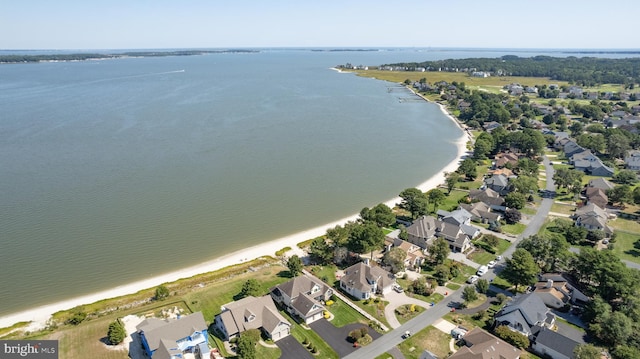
pixel 39 316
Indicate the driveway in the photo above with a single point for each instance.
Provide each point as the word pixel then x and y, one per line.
pixel 398 299
pixel 292 349
pixel 337 337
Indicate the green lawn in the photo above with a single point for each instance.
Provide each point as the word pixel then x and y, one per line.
pixel 344 314
pixel 453 286
pixel 467 271
pixel 626 225
pixel 529 211
pixel 563 208
pixel 429 338
pixel 375 309
pixel 267 352
pixel 327 273
pixel 625 248
pixel 515 228
pixel 404 313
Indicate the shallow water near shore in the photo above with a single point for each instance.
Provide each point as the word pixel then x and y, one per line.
pixel 118 170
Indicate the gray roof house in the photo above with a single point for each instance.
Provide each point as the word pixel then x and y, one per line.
pixel 571 147
pixel 302 296
pixel 453 227
pixel 632 160
pixel 362 280
pixel 422 231
pixel 480 212
pixel 589 163
pixel 498 183
pixel 480 344
pixel 593 217
pixel 554 345
pixel 252 313
pixel 457 217
pixel 489 197
pixel 169 338
pixel 525 312
pixel 600 183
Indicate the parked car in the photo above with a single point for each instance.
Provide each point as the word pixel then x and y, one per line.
pixel 498 258
pixel 491 264
pixel 406 335
pixel 398 288
pixel 482 270
pixel 473 279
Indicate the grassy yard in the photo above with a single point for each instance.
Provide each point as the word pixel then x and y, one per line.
pixel 327 273
pixel 405 314
pixel 515 228
pixel 626 225
pixel 301 334
pixel 344 314
pixel 625 246
pixel 429 338
pixel 375 309
pixel 567 209
pixel 529 211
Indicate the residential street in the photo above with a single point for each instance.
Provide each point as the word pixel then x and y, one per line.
pixel 393 338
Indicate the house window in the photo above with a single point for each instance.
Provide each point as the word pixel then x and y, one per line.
pixel 364 295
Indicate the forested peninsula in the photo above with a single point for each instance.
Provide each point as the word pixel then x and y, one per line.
pixel 22 58
pixel 585 71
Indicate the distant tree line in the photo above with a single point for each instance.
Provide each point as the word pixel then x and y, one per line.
pixel 586 71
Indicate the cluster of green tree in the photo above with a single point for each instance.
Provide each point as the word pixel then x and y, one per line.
pixel 93 56
pixel 586 71
pixel 614 313
pixel 246 344
pixel 417 202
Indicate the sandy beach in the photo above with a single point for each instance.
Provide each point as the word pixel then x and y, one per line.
pixel 38 316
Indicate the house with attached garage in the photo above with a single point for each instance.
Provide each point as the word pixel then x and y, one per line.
pixel 498 183
pixel 362 281
pixel 479 344
pixel 524 313
pixel 171 338
pixel 489 197
pixel 593 218
pixel 551 344
pixel 252 313
pixel 302 297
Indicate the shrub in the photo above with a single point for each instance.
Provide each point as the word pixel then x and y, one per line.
pixel 162 293
pixel 511 337
pixel 329 303
pixel 334 297
pixel 501 297
pixel 116 333
pixel 77 318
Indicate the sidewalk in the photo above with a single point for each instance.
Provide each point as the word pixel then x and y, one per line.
pixel 462 258
pixel 349 303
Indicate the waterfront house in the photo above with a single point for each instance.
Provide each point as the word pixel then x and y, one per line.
pixel 302 296
pixel 362 281
pixel 489 197
pixel 170 338
pixel 252 313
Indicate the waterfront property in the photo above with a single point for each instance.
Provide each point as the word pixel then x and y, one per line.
pixel 362 280
pixel 252 313
pixel 171 338
pixel 303 297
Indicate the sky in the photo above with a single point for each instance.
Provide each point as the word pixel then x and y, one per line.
pixel 154 24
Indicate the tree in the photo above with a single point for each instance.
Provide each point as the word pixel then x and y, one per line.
pixel 421 286
pixel 321 251
pixel 576 128
pixel 568 178
pixel 491 240
pixel 620 194
pixel 250 288
pixel 586 351
pixel 381 214
pixel 436 197
pixel 618 145
pixel 339 236
pixel 468 169
pixel 414 201
pixel 295 265
pixel 395 259
pixel 627 177
pixel 550 252
pixel 512 216
pixel 527 167
pixel 515 200
pixel 481 149
pixel 404 235
pixel 439 251
pixel 614 329
pixel 451 179
pixel 469 294
pixel 365 237
pixel 514 338
pixel 525 184
pixel 162 293
pixel 626 352
pixel 521 269
pixel 576 234
pixel 246 347
pixel 482 286
pixel 442 273
pixel 116 333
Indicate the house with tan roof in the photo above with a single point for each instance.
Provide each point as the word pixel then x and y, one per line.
pixel 252 313
pixel 480 344
pixel 596 196
pixel 481 212
pixel 362 281
pixel 502 159
pixel 171 338
pixel 488 196
pixel 415 255
pixel 302 296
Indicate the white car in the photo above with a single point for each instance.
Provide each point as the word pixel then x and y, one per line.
pixel 491 264
pixel 474 278
pixel 398 288
pixel 482 270
pixel 498 258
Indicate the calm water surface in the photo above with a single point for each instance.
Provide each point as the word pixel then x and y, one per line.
pixel 112 171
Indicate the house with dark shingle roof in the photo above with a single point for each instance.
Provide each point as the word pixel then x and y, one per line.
pixel 600 183
pixel 632 160
pixel 480 344
pixel 554 345
pixel 498 183
pixel 362 280
pixel 452 226
pixel 302 296
pixel 172 337
pixel 252 313
pixel 525 312
pixel 422 231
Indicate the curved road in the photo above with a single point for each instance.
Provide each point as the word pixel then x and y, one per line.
pixel 394 337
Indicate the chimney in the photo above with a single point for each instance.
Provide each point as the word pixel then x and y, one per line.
pixel 549 283
pixel 366 261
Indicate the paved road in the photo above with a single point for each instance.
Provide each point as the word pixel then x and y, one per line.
pixel 393 338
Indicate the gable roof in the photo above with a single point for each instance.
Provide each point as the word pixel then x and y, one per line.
pixel 299 285
pixel 361 276
pixel 601 183
pixel 251 313
pixel 423 227
pixel 499 181
pixel 155 329
pixel 487 196
pixel 483 345
pixel 527 309
pixel 556 341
